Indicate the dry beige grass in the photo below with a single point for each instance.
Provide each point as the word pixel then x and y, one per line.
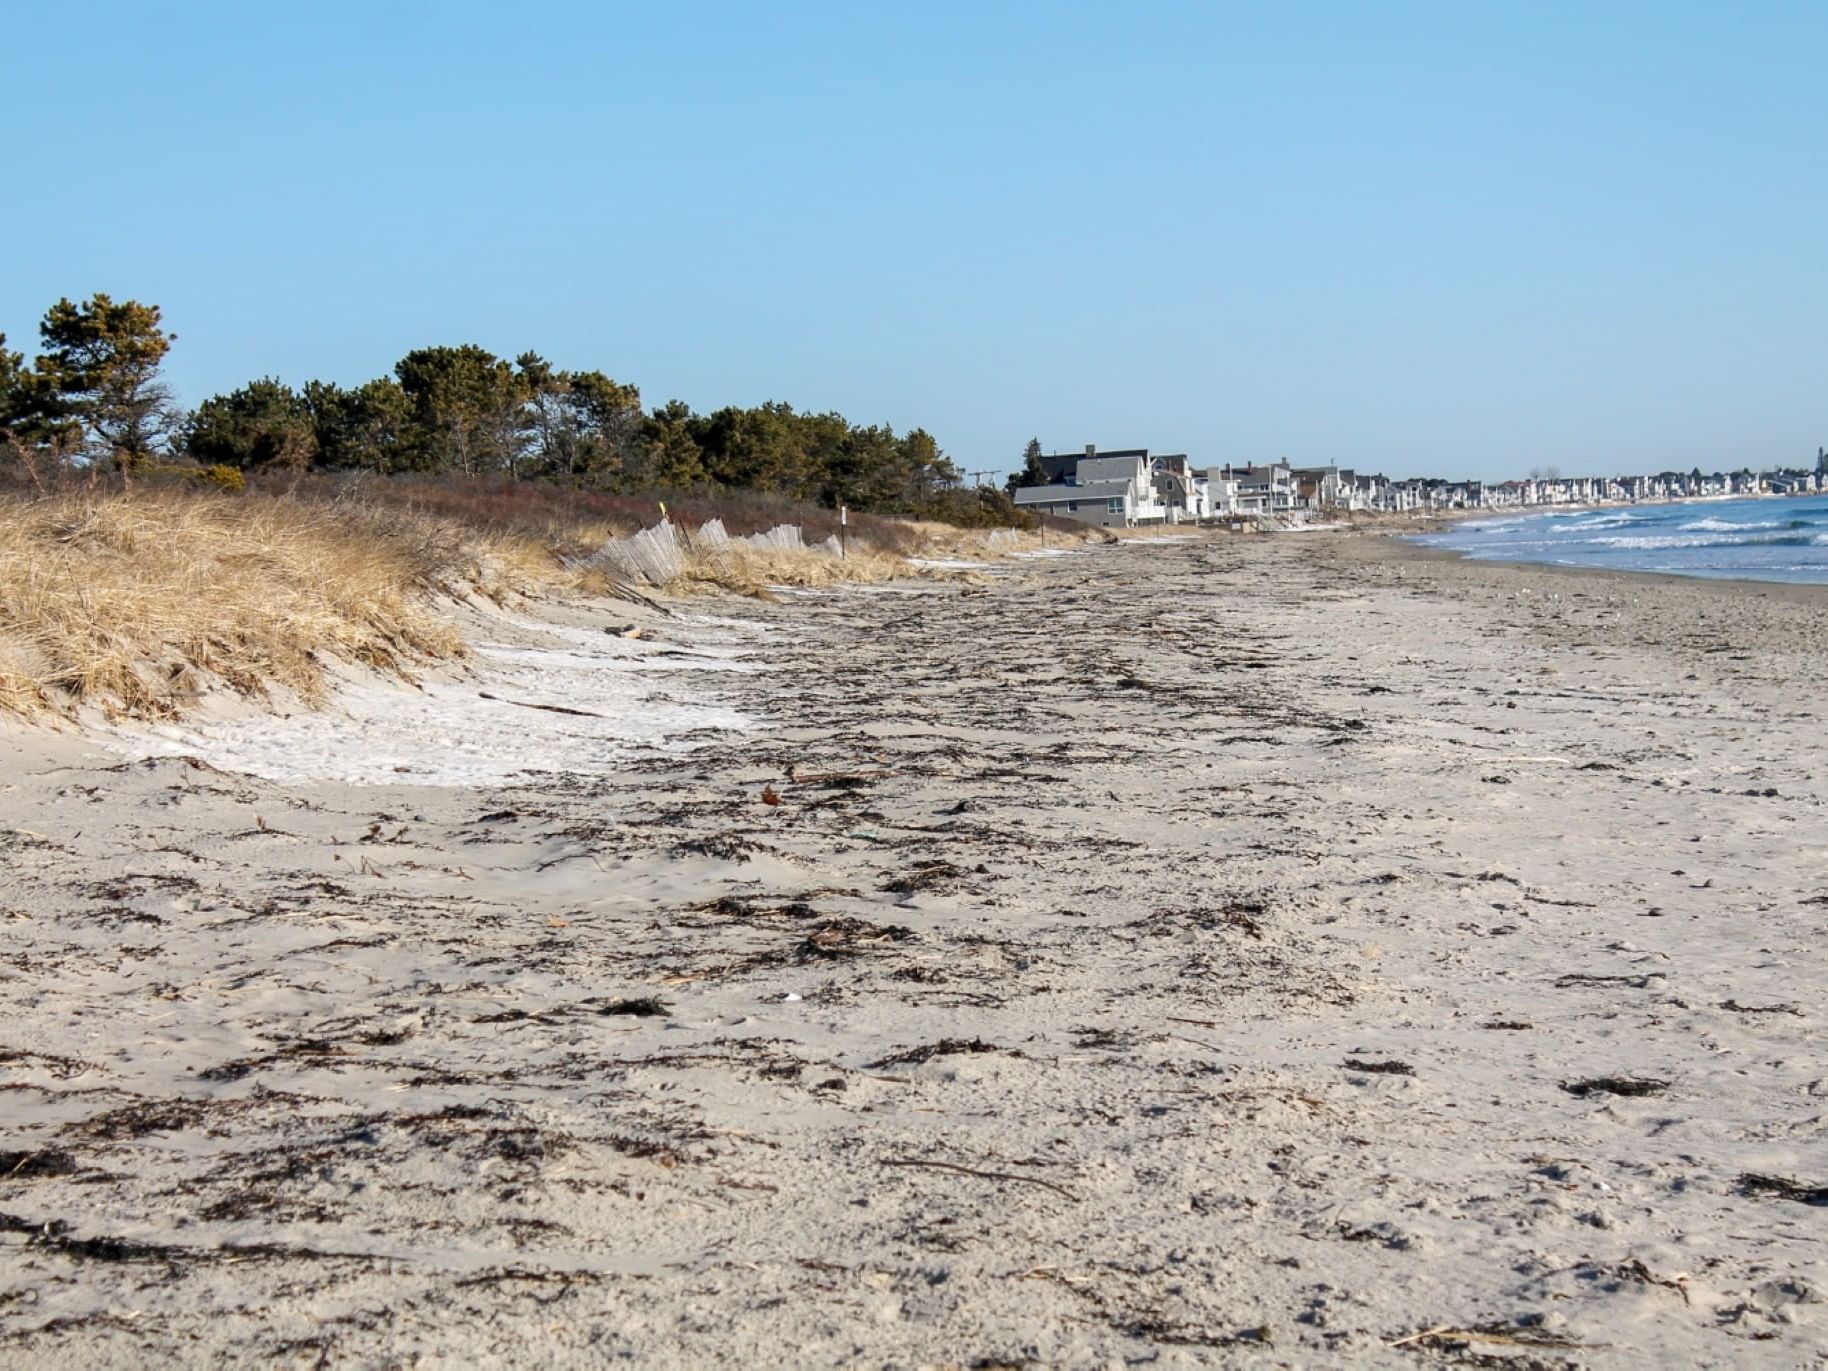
pixel 986 545
pixel 139 602
pixel 750 571
pixel 136 603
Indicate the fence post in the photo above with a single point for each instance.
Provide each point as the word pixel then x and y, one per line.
pixel 844 518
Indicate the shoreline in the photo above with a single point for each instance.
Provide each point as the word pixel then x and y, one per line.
pixel 1806 592
pixel 1746 581
pixel 1211 951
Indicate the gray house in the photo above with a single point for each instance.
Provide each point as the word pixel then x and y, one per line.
pixel 1109 489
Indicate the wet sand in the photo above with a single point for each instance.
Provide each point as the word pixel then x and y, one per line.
pixel 1261 951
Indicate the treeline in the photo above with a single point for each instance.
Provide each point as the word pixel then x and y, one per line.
pixel 94 396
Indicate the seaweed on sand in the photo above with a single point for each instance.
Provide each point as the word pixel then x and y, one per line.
pixel 843 936
pixel 34 1165
pixel 55 1235
pixel 1391 1068
pixel 946 1047
pixel 1630 1086
pixel 1784 1188
pixel 927 875
pixel 644 1007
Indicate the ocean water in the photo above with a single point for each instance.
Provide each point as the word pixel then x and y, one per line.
pixel 1777 539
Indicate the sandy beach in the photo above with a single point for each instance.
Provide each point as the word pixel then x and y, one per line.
pixel 1252 951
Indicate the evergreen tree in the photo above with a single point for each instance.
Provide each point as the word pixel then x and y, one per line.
pixel 462 411
pixel 554 441
pixel 100 371
pixel 264 424
pixel 467 407
pixel 34 422
pixel 370 427
pixel 584 426
pixel 670 451
pixel 605 415
pixel 1033 473
pixel 13 380
pixel 754 448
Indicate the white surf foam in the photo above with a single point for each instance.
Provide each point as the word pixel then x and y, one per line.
pixel 1723 526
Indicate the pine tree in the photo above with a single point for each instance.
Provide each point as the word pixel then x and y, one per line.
pixel 263 424
pixel 1033 473
pixel 100 371
pixel 469 407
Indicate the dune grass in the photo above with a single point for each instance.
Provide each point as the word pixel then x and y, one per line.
pixel 752 571
pixel 136 602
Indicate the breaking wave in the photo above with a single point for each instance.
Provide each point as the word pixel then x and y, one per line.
pixel 1755 539
pixel 1590 525
pixel 1725 526
pixel 1672 540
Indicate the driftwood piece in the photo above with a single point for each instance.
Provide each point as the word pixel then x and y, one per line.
pixel 982 1175
pixel 529 704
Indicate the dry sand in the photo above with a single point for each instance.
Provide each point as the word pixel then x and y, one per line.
pixel 1213 952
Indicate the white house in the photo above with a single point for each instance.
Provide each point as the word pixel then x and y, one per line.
pixel 1221 493
pixel 1258 490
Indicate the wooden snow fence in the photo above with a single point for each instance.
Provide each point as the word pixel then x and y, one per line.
pixel 712 543
pixel 788 538
pixel 654 555
pixel 780 538
pixel 658 555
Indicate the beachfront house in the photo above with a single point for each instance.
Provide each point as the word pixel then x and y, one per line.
pixel 1183 492
pixel 1379 492
pixel 1256 489
pixel 1322 488
pixel 1221 493
pixel 1110 489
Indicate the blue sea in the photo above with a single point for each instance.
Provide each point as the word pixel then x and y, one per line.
pixel 1778 539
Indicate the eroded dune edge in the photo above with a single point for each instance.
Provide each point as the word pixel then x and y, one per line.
pixel 1279 951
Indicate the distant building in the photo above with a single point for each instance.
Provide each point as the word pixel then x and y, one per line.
pixel 1180 490
pixel 1130 486
pixel 1259 489
pixel 1110 489
pixel 1324 488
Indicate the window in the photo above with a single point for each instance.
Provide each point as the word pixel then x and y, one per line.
pixel 1072 506
pixel 1114 506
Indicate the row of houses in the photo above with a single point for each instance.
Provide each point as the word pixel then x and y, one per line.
pixel 1668 485
pixel 1129 486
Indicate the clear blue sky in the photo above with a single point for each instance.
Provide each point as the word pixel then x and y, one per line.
pixel 1429 238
